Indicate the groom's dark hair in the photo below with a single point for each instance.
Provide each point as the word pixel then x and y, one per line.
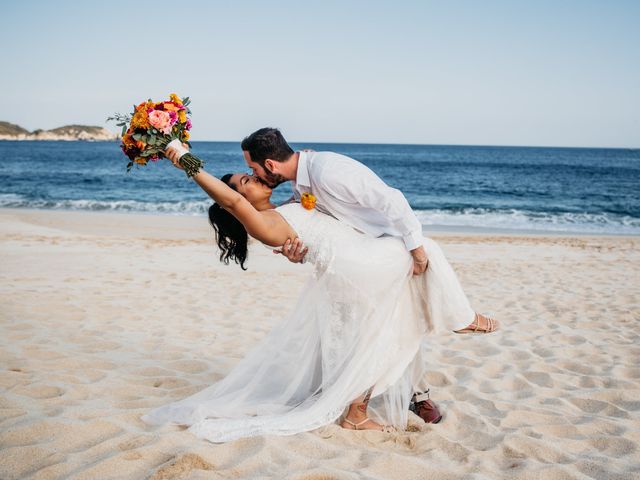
pixel 266 143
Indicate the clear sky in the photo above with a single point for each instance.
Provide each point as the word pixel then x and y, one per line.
pixel 555 73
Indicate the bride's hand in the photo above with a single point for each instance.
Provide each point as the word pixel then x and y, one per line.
pixel 174 154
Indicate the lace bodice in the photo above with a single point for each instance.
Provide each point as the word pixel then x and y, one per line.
pixel 321 233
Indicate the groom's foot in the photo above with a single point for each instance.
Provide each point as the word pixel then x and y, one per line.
pixel 481 324
pixel 425 408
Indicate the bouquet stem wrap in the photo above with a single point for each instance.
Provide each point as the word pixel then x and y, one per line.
pixel 189 162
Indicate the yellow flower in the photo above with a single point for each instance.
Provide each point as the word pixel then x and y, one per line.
pixel 141 161
pixel 182 116
pixel 144 106
pixel 185 135
pixel 175 98
pixel 308 201
pixel 140 120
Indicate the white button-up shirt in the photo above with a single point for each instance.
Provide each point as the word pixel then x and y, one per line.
pixel 354 194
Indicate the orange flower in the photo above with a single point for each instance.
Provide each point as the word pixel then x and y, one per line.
pixel 308 201
pixel 141 161
pixel 185 136
pixel 170 107
pixel 175 98
pixel 128 141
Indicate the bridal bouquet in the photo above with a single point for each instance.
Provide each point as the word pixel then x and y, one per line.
pixel 152 126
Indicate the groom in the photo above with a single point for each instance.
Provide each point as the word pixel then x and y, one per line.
pixel 344 188
pixel 350 192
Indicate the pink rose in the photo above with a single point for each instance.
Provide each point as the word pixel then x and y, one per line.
pixel 162 121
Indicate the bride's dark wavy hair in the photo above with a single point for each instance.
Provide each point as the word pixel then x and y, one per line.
pixel 231 235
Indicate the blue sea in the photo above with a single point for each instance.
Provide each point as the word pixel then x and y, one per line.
pixel 510 189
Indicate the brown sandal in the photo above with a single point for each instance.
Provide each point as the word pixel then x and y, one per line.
pixel 492 326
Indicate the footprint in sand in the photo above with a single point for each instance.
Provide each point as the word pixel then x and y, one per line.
pixel 189 366
pixel 590 405
pixel 520 446
pixel 180 467
pixel 586 382
pixel 438 379
pixel 40 391
pixel 168 382
pixel 613 446
pixel 541 379
pixel 577 367
pixel 135 442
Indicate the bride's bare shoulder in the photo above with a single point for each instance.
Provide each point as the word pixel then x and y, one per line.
pixel 278 230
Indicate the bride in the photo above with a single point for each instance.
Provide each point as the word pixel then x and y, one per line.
pixel 352 346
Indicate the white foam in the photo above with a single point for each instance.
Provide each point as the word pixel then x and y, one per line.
pixel 471 218
pixel 570 222
pixel 171 208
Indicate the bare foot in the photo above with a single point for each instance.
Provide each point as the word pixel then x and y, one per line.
pixel 481 324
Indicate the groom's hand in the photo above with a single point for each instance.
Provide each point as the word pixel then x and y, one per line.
pixel 293 250
pixel 420 260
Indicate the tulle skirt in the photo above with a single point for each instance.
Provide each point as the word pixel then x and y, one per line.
pixel 364 321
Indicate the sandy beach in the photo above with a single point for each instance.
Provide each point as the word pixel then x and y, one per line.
pixel 104 316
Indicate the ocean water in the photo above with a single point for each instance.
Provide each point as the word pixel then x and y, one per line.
pixel 561 190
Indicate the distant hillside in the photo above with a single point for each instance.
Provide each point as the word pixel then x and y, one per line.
pixel 10 131
pixel 7 128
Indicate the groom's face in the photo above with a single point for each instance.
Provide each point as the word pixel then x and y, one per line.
pixel 270 179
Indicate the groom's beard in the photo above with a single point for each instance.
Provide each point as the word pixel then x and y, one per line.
pixel 273 179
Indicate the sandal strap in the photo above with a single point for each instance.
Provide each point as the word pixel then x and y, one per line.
pixel 356 425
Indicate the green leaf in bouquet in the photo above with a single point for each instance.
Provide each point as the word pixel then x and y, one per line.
pixel 154 130
pixel 129 165
pixel 137 136
pixel 124 130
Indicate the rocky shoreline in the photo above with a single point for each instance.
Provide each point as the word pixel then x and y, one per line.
pixel 9 131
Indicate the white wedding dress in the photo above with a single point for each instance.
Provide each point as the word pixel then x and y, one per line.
pixel 361 320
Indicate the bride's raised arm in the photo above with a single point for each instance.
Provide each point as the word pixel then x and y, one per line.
pixel 260 226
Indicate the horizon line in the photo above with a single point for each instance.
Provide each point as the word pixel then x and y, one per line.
pixel 438 144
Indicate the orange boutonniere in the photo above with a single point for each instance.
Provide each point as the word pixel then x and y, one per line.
pixel 308 201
